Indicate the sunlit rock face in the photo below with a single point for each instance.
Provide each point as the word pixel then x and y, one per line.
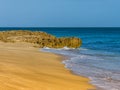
pixel 40 39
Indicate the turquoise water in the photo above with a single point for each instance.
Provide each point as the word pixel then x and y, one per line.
pixel 98 58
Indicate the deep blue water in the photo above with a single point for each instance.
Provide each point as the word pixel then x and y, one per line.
pixel 98 58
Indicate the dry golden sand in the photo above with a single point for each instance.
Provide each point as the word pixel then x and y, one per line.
pixel 23 67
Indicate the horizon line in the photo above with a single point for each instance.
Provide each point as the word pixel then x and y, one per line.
pixel 59 27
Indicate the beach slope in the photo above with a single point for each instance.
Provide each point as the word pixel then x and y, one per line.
pixel 23 67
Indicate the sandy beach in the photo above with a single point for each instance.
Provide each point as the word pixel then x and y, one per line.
pixel 23 67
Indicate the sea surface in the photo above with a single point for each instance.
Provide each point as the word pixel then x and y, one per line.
pixel 98 58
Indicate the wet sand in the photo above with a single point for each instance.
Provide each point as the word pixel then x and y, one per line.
pixel 23 67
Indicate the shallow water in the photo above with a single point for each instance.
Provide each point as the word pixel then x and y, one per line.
pixel 103 71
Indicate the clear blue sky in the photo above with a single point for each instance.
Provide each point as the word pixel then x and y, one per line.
pixel 59 13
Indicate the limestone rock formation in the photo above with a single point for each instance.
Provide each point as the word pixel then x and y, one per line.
pixel 42 39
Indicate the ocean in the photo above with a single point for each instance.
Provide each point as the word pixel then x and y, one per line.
pixel 98 58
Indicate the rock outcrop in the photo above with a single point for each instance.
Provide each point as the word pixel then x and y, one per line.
pixel 40 39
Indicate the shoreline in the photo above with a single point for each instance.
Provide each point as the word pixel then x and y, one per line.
pixel 63 58
pixel 24 67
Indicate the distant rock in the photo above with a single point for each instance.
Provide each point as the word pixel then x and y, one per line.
pixel 40 39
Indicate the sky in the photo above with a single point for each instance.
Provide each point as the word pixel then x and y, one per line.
pixel 59 13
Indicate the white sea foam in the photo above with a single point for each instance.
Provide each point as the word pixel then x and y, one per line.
pixel 67 48
pixel 46 48
pixel 64 48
